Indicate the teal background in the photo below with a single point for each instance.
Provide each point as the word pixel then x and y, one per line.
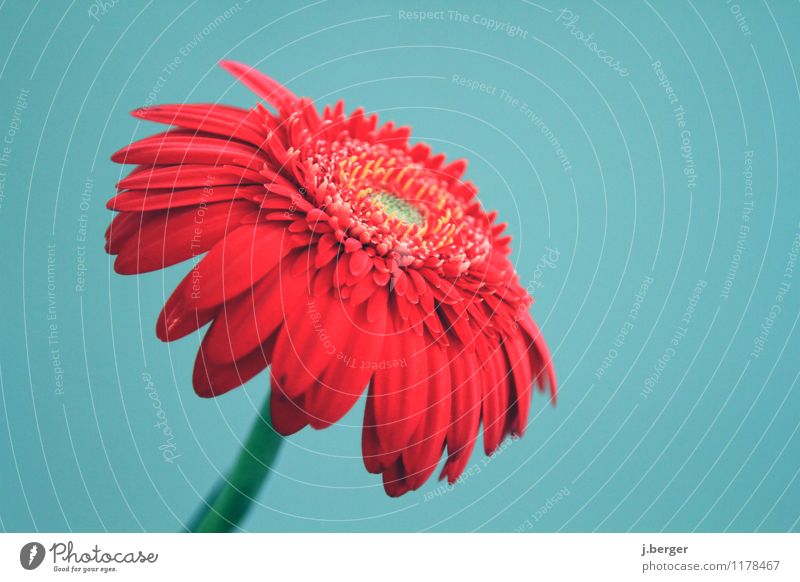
pixel 713 447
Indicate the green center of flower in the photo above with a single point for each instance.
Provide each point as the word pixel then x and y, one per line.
pixel 396 207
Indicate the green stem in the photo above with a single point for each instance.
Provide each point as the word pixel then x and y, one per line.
pixel 232 497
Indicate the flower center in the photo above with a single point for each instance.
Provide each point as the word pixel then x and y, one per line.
pixel 404 209
pixel 396 207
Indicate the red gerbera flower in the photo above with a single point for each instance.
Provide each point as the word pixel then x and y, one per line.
pixel 343 257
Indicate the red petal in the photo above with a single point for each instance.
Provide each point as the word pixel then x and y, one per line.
pixel 182 147
pixel 466 412
pixel 375 460
pixel 541 362
pixel 167 237
pixel 212 379
pixel 148 200
pixel 495 393
pixel 263 86
pixel 399 393
pixel 287 415
pixel 223 120
pixel 394 482
pixel 305 344
pixel 189 176
pixel 178 318
pixel 257 314
pixel 347 373
pixel 519 362
pixel 422 457
pixel 455 169
pixel 238 262
pixel 359 263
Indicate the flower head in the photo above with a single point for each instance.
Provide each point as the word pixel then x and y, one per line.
pixel 342 257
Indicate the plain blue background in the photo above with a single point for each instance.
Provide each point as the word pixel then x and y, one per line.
pixel 712 447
